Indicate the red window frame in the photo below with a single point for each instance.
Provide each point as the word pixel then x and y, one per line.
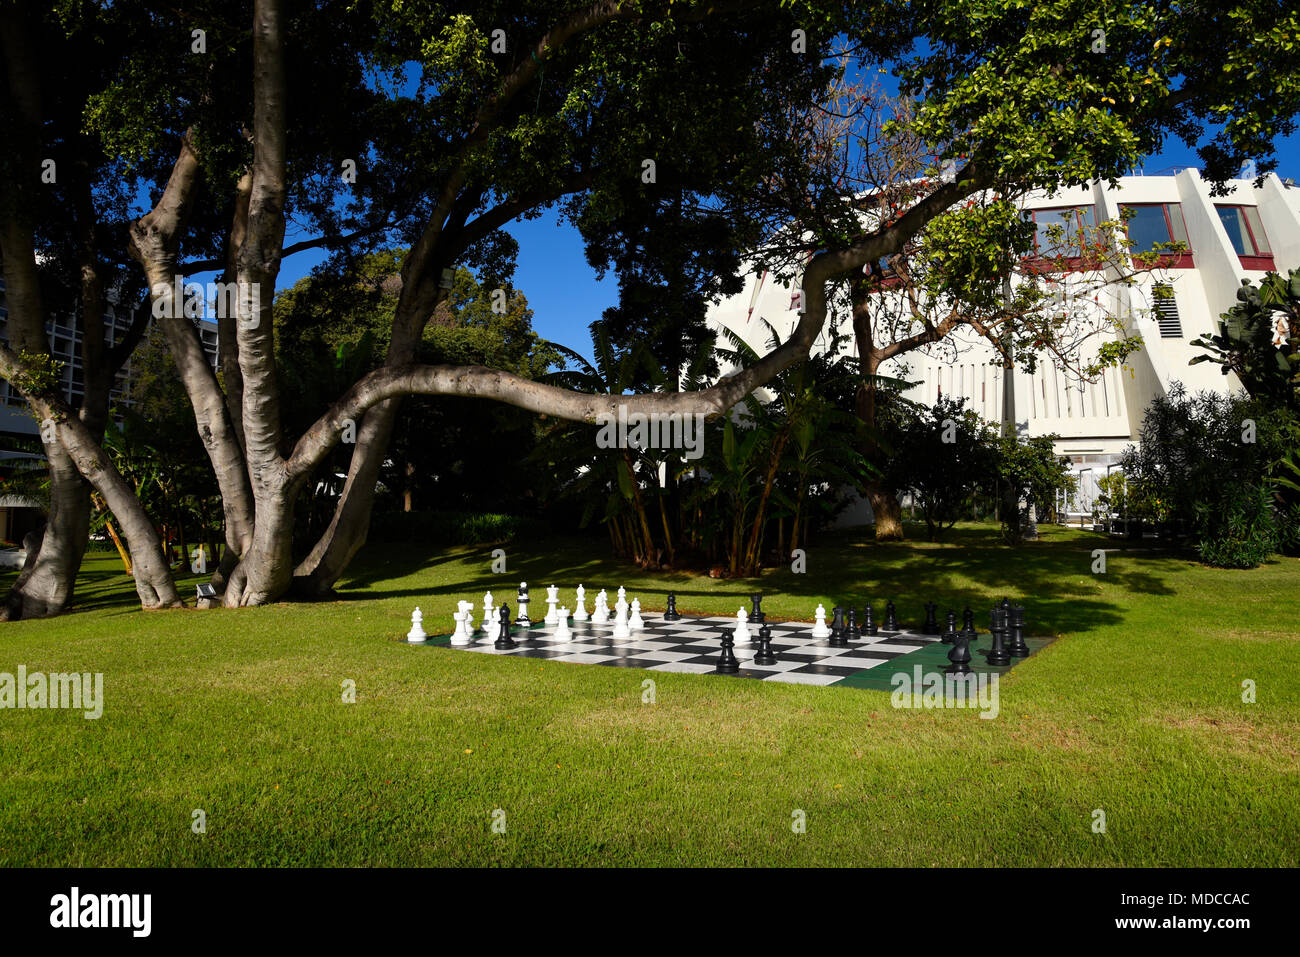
pixel 1167 260
pixel 1037 263
pixel 1260 261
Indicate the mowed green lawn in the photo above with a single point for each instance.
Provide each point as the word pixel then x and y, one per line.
pixel 1136 710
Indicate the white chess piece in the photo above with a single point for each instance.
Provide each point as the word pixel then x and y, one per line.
pixel 742 626
pixel 580 613
pixel 489 625
pixel 552 599
pixel 620 620
pixel 622 595
pixel 819 629
pixel 417 632
pixel 601 615
pixel 464 630
pixel 562 632
pixel 635 623
pixel 467 610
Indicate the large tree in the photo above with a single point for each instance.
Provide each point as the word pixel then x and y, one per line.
pixel 458 120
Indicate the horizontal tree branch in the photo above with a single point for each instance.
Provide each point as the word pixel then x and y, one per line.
pixel 478 381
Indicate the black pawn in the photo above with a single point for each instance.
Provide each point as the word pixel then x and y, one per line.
pixel 757 616
pixel 950 633
pixel 838 638
pixel 891 617
pixel 1017 647
pixel 931 626
pixel 504 642
pixel 765 655
pixel 968 623
pixel 959 655
pixel 869 621
pixel 997 655
pixel 728 664
pixel 851 629
pixel 671 613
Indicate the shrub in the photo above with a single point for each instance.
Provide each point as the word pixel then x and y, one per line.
pixel 1239 530
pixel 447 527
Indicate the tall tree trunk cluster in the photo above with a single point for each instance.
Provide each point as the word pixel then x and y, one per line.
pixel 258 468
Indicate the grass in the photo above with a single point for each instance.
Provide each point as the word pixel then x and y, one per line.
pixel 1137 710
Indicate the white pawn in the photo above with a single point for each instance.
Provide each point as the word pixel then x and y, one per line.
pixel 819 628
pixel 552 599
pixel 742 626
pixel 620 620
pixel 562 632
pixel 622 595
pixel 490 624
pixel 417 628
pixel 580 613
pixel 601 615
pixel 635 622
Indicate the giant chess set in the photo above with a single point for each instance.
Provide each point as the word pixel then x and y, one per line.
pixel 748 645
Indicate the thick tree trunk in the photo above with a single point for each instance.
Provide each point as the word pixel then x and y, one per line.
pixel 887 510
pixel 154 241
pixel 885 507
pixel 265 570
pixel 316 575
pixel 48 579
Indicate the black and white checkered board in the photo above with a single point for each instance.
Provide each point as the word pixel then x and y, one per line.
pixel 693 645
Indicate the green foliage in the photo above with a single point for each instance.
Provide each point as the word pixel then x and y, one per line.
pixel 41 375
pixel 1246 345
pixel 1238 529
pixel 1196 466
pixel 454 527
pixel 1030 473
pixel 942 454
pixel 334 326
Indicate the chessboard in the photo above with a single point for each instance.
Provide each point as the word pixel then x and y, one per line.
pixel 694 645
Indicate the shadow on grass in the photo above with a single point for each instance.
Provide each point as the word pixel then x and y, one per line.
pixel 1053 577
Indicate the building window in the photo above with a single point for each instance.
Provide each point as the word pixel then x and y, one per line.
pixel 1150 224
pixel 1075 222
pixel 1246 233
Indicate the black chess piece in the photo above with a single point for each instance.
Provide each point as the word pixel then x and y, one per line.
pixel 851 631
pixel 1016 647
pixel 671 613
pixel 869 621
pixel 756 602
pixel 959 655
pixel 931 626
pixel 728 664
pixel 891 617
pixel 997 655
pixel 950 632
pixel 765 655
pixel 504 642
pixel 968 623
pixel 838 639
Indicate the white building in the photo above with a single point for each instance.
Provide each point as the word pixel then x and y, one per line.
pixel 1230 239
